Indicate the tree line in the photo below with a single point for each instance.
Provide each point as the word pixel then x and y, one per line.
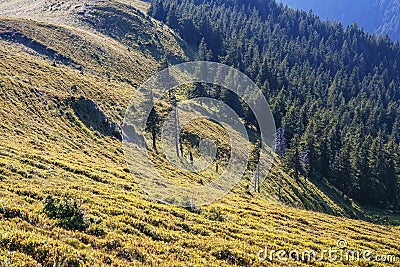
pixel 334 92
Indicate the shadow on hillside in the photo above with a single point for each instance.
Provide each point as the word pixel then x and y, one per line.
pixel 352 209
pixel 93 117
pixel 39 48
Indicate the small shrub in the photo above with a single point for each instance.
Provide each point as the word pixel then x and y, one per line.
pixel 130 254
pixel 113 244
pixel 233 257
pixel 96 230
pixel 12 212
pixel 216 215
pixel 67 212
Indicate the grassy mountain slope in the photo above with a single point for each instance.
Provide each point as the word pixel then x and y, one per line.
pixel 51 76
pixel 115 66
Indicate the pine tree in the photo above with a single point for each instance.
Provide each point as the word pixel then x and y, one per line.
pixel 172 19
pixel 157 10
pixel 291 159
pixel 198 90
pixel 343 171
pixel 203 53
pixel 153 123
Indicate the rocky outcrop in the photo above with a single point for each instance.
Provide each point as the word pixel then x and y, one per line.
pixel 93 117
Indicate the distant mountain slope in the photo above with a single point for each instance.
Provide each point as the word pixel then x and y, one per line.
pixel 378 16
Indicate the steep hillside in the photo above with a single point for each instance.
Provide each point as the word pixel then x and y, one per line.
pixel 333 92
pixel 67 197
pixel 116 64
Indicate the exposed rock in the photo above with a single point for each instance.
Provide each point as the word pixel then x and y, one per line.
pixel 93 117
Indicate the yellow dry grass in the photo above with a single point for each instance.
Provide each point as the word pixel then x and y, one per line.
pixel 46 150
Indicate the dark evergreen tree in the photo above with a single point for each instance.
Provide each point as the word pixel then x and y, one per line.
pixel 153 123
pixel 203 53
